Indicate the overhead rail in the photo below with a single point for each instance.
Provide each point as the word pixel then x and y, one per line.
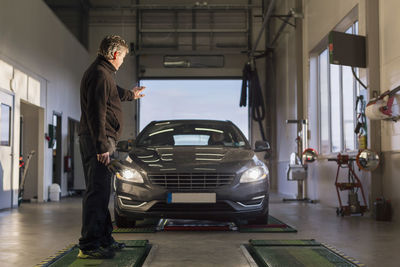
pixel 200 6
pixel 193 30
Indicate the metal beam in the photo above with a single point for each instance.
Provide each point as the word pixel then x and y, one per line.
pixel 266 18
pixel 287 22
pixel 281 28
pixel 175 7
pixel 193 30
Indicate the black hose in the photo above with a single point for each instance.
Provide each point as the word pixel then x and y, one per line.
pixel 256 99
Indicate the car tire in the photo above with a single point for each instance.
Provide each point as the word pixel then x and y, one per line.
pixel 123 222
pixel 260 219
pixel 241 222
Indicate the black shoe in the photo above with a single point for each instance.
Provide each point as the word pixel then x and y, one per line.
pixel 116 246
pixel 98 253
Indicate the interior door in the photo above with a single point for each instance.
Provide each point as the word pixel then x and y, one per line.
pixel 6 111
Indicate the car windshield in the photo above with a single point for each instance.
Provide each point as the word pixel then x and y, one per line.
pixel 191 133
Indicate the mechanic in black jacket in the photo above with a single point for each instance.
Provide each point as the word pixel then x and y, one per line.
pixel 99 130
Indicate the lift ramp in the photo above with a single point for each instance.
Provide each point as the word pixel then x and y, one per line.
pixel 297 253
pixel 133 255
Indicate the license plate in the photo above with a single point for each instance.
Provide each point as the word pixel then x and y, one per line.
pixel 191 198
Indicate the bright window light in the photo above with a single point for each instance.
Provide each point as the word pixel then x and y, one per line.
pixel 193 99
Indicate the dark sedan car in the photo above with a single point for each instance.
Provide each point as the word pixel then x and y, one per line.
pixel 191 169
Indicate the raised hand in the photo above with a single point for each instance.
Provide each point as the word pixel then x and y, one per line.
pixel 137 92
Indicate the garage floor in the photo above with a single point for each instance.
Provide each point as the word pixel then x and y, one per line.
pixel 36 231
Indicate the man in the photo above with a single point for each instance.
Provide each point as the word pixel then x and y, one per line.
pixel 100 128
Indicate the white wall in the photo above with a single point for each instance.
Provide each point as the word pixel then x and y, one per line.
pixel 35 41
pixel 390 66
pixel 389 23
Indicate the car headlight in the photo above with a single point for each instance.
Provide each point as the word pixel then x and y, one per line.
pixel 130 175
pixel 254 174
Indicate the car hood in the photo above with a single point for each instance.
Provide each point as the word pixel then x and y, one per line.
pixel 193 159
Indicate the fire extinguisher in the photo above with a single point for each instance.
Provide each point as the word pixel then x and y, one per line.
pixel 67 163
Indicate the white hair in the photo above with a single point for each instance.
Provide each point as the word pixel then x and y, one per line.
pixel 111 44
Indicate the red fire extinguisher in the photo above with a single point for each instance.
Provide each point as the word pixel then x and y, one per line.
pixel 67 163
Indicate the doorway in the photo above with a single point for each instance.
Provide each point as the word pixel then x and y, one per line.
pixel 30 129
pixel 57 149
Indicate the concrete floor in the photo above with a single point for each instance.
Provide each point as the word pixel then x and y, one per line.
pixel 33 232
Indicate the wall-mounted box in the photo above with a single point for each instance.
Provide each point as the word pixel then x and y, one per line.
pixel 347 49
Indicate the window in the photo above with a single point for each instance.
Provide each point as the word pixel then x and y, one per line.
pixel 5 125
pixel 337 99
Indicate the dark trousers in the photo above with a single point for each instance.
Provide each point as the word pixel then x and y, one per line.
pixel 96 219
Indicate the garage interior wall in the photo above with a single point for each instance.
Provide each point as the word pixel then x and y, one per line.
pixel 320 17
pixel 34 41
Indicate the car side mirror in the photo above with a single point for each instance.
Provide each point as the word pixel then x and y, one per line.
pixel 261 146
pixel 124 145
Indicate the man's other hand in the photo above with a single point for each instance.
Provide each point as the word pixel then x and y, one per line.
pixel 137 92
pixel 104 158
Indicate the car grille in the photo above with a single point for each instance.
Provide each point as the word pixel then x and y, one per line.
pixel 191 180
pixel 193 207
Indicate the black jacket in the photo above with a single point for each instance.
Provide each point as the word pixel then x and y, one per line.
pixel 101 114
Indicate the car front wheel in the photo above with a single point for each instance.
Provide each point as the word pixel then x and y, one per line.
pixel 123 222
pixel 260 219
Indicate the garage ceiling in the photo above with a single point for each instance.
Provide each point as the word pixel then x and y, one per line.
pixel 180 25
